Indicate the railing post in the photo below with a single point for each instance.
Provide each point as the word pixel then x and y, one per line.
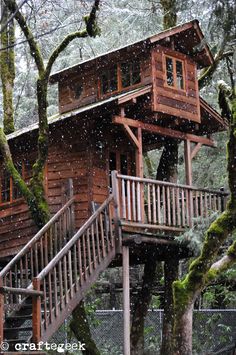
pixel 72 209
pixel 1 312
pixel 126 300
pixel 190 208
pixel 115 191
pixel 36 312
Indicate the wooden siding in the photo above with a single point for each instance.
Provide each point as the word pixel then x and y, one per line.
pixel 168 100
pixel 89 80
pixel 72 154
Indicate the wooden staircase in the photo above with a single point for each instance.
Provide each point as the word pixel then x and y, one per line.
pixel 47 279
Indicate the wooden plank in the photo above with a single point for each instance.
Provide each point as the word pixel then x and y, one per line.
pixel 36 313
pixel 188 163
pixel 2 313
pixel 131 135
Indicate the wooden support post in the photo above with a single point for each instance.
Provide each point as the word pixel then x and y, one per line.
pixel 188 162
pixel 189 180
pixel 139 169
pixel 115 191
pixel 1 312
pixel 36 313
pixel 70 188
pixel 139 154
pixel 126 300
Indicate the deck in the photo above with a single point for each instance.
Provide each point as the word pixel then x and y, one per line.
pixel 146 206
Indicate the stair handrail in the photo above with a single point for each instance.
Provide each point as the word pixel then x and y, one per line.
pixel 65 279
pixel 73 240
pixel 36 238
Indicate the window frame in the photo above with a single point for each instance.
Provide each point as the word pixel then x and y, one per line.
pixel 119 78
pixel 11 192
pixel 175 85
pixel 26 180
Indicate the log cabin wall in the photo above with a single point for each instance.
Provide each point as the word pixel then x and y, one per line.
pixel 81 87
pixel 182 103
pixel 73 153
pixel 16 225
pixel 68 158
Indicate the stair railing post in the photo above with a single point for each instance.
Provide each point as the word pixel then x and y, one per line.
pixel 36 312
pixel 126 300
pixel 115 191
pixel 1 311
pixel 72 209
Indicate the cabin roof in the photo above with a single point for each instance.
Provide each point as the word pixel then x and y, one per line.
pixel 213 118
pixel 60 117
pixel 190 40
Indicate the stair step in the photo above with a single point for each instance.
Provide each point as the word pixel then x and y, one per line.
pixel 18 317
pixel 18 329
pixel 12 341
pixel 24 353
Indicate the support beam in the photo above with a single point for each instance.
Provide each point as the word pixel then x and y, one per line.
pixel 139 155
pixel 126 300
pixel 189 179
pixel 131 136
pixel 188 162
pixel 196 150
pixel 163 131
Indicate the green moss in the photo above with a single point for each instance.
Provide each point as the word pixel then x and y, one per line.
pixel 7 64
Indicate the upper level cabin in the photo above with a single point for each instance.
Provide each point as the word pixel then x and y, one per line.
pixel 167 62
pixel 111 109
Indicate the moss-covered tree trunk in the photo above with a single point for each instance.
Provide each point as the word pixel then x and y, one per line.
pixel 204 268
pixel 7 68
pixel 80 327
pixel 34 194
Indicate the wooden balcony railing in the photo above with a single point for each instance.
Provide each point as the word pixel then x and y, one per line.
pixel 164 205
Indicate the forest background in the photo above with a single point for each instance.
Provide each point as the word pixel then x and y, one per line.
pixel 121 23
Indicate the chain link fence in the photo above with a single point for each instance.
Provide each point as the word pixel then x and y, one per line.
pixel 214 332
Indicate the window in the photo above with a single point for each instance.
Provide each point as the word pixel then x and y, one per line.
pixel 109 82
pixel 75 90
pixel 119 77
pixel 9 192
pixel 130 74
pixel 175 73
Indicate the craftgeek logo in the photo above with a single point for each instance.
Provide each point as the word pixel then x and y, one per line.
pixel 60 348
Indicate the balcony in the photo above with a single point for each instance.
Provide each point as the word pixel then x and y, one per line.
pixel 145 205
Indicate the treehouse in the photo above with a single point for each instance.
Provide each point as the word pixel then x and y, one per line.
pixel 112 109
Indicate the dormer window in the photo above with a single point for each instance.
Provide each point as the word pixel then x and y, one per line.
pixel 174 73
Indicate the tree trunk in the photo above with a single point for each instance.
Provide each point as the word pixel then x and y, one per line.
pixel 170 275
pixel 80 327
pixel 167 170
pixel 183 331
pixel 169 13
pixel 151 272
pixel 7 68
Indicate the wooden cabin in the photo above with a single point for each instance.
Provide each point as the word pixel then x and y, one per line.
pixel 149 87
pixel 112 108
